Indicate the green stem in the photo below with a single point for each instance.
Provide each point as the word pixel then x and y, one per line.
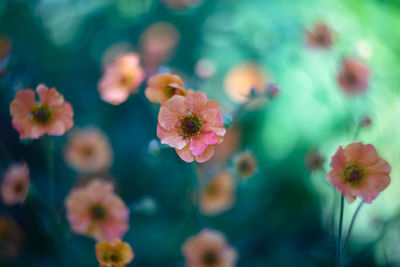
pixel 50 168
pixel 5 152
pixel 352 224
pixel 339 244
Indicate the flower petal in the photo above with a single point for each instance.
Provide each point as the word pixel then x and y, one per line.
pixel 49 97
pixel 196 101
pixel 171 112
pixel 199 143
pixel 206 155
pixel 171 137
pixel 185 154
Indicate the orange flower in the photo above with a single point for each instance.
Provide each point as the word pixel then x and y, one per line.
pixel 121 78
pixel 162 87
pixel 96 211
pixel 12 238
pixel 192 125
pixel 219 194
pixel 357 170
pixel 51 115
pixel 320 36
pixel 245 164
pixel 209 249
pixel 353 76
pixel 114 254
pixel 15 184
pixel 88 150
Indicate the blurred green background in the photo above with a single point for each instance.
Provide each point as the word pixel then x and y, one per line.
pixel 280 215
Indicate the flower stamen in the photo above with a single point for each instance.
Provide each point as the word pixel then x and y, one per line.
pixel 41 114
pixel 191 125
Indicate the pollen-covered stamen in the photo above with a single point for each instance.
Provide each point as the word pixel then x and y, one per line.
pixel 191 125
pixel 126 80
pixel 112 256
pixel 170 90
pixel 41 114
pixel 353 175
pixel 210 258
pixel 98 212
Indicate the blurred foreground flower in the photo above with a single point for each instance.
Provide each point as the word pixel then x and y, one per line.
pixel 314 160
pixel 162 87
pixel 88 150
pixel 114 254
pixel 51 115
pixel 121 78
pixel 12 238
pixel 209 248
pixel 357 170
pixel 320 36
pixel 5 50
pixel 180 5
pixel 15 184
pixel 245 164
pixel 353 76
pixel 218 195
pixel 192 125
pixel 96 211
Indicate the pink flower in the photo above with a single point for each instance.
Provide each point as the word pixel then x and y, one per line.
pixel 320 36
pixel 209 248
pixel 15 184
pixel 121 78
pixel 181 5
pixel 88 150
pixel 353 76
pixel 162 87
pixel 96 211
pixel 51 115
pixel 357 170
pixel 192 125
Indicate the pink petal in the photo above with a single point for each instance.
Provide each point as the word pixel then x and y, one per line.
pixel 49 97
pixel 196 101
pixel 171 137
pixel 206 155
pixel 171 112
pixel 212 116
pixel 199 143
pixel 185 154
pixel 338 160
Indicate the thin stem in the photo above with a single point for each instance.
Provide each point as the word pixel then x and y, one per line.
pixel 352 224
pixel 50 167
pixel 5 152
pixel 339 244
pixel 334 204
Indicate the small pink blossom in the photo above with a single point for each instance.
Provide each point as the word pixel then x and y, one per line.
pixel 192 125
pixel 353 76
pixel 15 184
pixel 162 87
pixel 121 78
pixel 320 36
pixel 358 171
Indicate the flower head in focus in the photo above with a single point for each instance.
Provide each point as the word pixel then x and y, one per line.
pixel 114 253
pixel 209 248
pixel 121 78
pixel 218 195
pixel 353 76
pixel 192 125
pixel 15 184
pixel 12 238
pixel 245 164
pixel 50 115
pixel 320 36
pixel 88 150
pixel 358 171
pixel 162 87
pixel 96 211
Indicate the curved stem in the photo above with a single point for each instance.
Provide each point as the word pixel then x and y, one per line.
pixel 50 167
pixel 339 244
pixel 352 224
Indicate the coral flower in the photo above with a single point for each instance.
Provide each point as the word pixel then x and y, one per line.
pixel 12 238
pixel 88 150
pixel 114 254
pixel 162 87
pixel 33 119
pixel 192 125
pixel 357 170
pixel 245 164
pixel 219 194
pixel 96 211
pixel 15 184
pixel 320 36
pixel 121 78
pixel 353 76
pixel 209 248
pixel 314 160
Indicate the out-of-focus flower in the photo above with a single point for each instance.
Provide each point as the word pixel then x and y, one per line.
pixel 15 184
pixel 209 248
pixel 242 79
pixel 272 90
pixel 320 36
pixel 245 164
pixel 5 50
pixel 192 125
pixel 162 87
pixel 120 79
pixel 96 211
pixel 114 253
pixel 157 44
pixel 180 5
pixel 219 195
pixel 357 170
pixel 314 160
pixel 205 68
pixel 50 115
pixel 88 150
pixel 12 238
pixel 366 121
pixel 353 76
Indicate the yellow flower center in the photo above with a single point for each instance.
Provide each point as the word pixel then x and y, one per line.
pixel 210 258
pixel 41 114
pixel 353 175
pixel 98 212
pixel 191 125
pixel 170 90
pixel 126 80
pixel 112 256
